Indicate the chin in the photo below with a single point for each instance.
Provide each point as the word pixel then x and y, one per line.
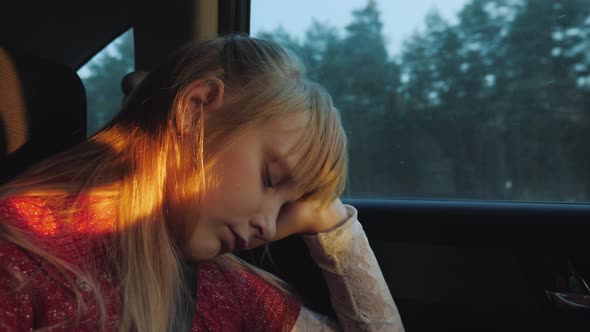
pixel 196 254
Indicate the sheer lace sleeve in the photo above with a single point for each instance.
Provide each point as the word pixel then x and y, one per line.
pixel 358 291
pixel 310 321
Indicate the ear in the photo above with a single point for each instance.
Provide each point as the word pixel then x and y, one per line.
pixel 208 92
pixel 205 93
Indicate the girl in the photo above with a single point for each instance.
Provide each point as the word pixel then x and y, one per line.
pixel 224 147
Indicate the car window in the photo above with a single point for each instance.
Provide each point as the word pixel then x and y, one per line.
pixel 102 79
pixel 461 99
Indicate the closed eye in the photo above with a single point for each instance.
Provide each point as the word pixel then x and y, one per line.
pixel 267 179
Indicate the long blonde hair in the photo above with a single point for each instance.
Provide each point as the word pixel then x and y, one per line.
pixel 141 153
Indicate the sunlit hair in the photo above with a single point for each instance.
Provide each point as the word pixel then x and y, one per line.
pixel 141 158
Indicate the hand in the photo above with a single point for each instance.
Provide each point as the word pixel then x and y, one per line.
pixel 308 217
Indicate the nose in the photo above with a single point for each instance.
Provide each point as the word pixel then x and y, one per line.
pixel 265 222
pixel 264 227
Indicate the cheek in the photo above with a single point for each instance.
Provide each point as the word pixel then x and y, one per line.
pixel 235 188
pixel 181 213
pixel 203 244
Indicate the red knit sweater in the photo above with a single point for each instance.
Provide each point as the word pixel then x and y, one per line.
pixel 228 299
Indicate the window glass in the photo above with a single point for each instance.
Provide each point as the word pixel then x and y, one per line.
pixel 460 99
pixel 102 79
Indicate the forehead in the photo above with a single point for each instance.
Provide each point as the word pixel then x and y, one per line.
pixel 284 134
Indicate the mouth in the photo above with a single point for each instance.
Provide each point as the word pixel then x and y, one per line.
pixel 228 241
pixel 239 242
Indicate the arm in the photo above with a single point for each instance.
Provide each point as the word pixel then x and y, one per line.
pixel 309 321
pixel 359 294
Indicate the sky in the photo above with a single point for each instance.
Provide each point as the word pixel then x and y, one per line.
pixel 400 17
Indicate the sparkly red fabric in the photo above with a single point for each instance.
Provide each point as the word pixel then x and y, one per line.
pixel 228 299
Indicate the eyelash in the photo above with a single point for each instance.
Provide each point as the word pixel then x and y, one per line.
pixel 267 178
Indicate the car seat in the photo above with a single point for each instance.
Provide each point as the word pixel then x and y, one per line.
pixel 42 110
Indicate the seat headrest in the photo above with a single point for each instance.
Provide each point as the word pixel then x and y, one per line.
pixel 132 80
pixel 42 110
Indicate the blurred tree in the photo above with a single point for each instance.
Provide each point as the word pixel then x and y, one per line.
pixel 362 80
pixel 546 103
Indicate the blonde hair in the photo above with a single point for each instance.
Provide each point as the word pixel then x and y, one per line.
pixel 141 152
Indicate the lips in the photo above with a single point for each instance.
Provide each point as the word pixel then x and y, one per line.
pixel 240 244
pixel 228 241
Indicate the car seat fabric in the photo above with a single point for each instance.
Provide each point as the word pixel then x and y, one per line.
pixel 42 110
